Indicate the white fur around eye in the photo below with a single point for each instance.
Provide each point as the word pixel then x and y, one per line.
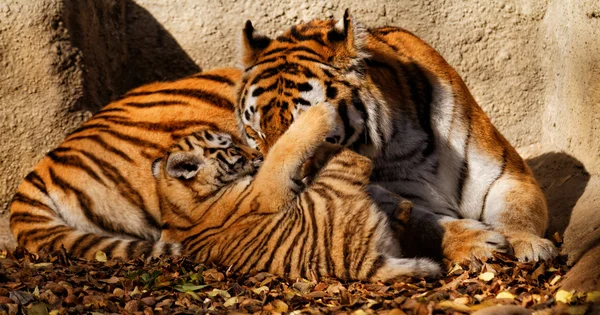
pixel 317 94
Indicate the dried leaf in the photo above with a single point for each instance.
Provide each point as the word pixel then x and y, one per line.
pixel 564 296
pixel 486 276
pixel 231 301
pixel 454 306
pixel 593 297
pixel 224 294
pixel 280 306
pixel 100 256
pixel 505 295
pixel 260 290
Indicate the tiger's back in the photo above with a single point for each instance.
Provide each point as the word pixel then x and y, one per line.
pixel 93 192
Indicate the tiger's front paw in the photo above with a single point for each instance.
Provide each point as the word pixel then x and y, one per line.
pixel 530 247
pixel 466 239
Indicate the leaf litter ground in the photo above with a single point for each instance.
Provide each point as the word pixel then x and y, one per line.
pixel 56 283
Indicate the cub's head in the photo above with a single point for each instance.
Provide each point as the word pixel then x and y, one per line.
pixel 204 162
pixel 320 61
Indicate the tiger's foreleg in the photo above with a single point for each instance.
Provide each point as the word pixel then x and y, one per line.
pixel 281 172
pixel 516 207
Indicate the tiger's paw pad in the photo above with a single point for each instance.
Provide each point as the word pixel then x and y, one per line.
pixel 530 247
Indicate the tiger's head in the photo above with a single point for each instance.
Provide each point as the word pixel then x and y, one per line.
pixel 204 162
pixel 319 61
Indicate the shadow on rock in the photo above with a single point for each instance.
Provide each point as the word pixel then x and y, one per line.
pixel 153 54
pixel 563 180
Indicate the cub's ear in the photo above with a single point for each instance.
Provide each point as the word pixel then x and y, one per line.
pixel 156 165
pixel 253 43
pixel 183 165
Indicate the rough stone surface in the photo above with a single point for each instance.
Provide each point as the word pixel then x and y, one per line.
pixel 533 65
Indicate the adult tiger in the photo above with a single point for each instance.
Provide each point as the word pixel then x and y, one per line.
pixel 401 104
pixel 94 191
pixel 225 210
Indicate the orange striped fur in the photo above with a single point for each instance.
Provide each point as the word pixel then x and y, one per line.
pixel 94 191
pixel 225 211
pixel 400 103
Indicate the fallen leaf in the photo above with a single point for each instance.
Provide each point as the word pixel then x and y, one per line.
pixel 224 294
pixel 100 256
pixel 505 295
pixel 454 306
pixel 260 290
pixel 593 296
pixel 231 301
pixel 486 276
pixel 563 296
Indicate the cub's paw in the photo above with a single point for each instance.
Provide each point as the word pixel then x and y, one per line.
pixel 466 239
pixel 530 247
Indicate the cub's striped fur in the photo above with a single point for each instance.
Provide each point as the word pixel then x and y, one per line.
pixel 400 103
pixel 94 191
pixel 223 210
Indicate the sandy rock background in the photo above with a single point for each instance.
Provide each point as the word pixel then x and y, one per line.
pixel 533 65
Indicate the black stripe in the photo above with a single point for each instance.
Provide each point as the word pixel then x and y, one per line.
pixel 20 197
pixel 108 250
pixel 124 187
pixel 304 49
pixel 86 205
pixel 302 259
pixel 87 126
pixel 28 236
pixel 215 77
pixel 315 234
pixel 155 104
pixel 273 51
pixel 463 172
pixel 305 37
pixel 73 161
pixel 82 241
pixel 111 110
pixel 28 218
pixel 172 126
pixel 135 140
pixel 376 266
pixel 97 139
pixel 503 169
pixel 37 181
pixel 209 97
pixel 348 129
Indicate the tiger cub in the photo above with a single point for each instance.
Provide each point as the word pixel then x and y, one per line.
pixel 94 192
pixel 400 103
pixel 225 210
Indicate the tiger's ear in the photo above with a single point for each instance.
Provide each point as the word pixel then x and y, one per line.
pixel 351 36
pixel 253 43
pixel 183 165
